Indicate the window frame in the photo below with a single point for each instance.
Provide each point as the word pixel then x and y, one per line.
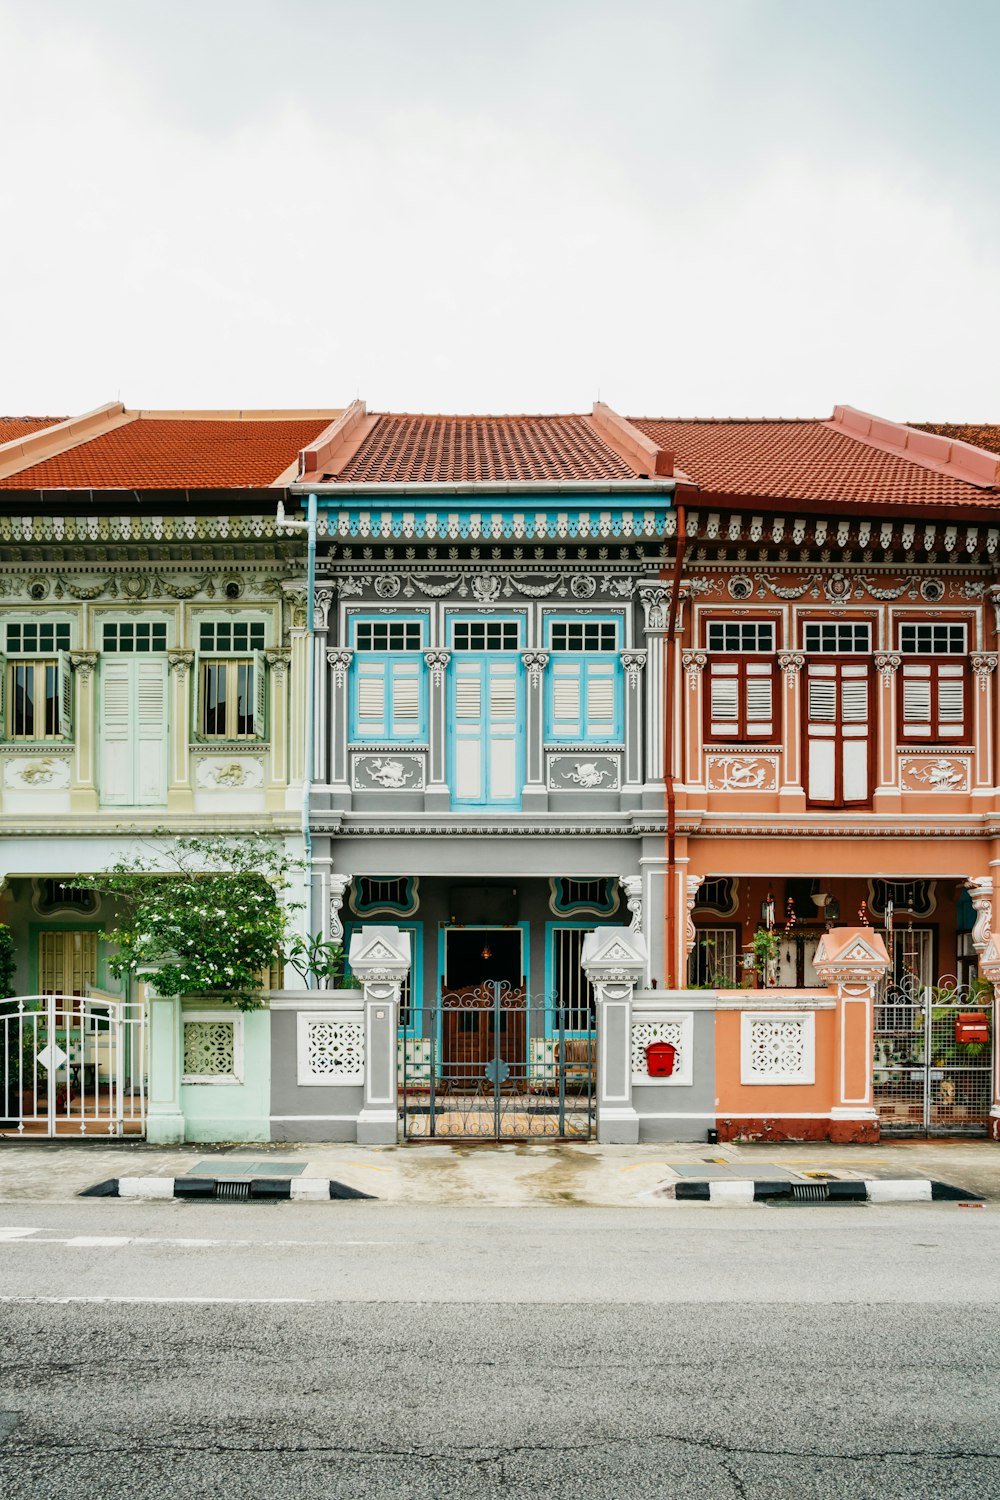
pixel 255 664
pixel 591 665
pixel 934 661
pixel 731 929
pixel 394 663
pixel 738 732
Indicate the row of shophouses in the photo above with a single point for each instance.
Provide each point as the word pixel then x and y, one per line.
pixel 647 768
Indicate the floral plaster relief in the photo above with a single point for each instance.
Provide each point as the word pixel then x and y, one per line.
pixel 941 773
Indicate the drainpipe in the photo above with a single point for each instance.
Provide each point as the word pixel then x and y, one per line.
pixel 308 526
pixel 668 767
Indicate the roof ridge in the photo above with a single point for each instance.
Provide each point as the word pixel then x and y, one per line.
pixel 48 442
pixel 928 450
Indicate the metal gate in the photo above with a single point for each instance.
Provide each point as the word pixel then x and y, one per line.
pixel 926 1080
pixel 495 1063
pixel 72 1065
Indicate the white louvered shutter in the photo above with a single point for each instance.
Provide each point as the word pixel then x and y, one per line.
pixel 503 732
pixel 916 701
pixel 467 728
pixel 951 700
pixel 116 739
pixel 854 694
pixel 760 700
pixel 3 694
pixel 724 701
pixel 567 700
pixel 370 688
pixel 821 718
pixel 151 740
pixel 601 715
pixel 405 707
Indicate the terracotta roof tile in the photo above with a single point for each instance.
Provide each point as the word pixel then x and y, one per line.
pixel 176 453
pixel 18 427
pixel 979 434
pixel 404 449
pixel 801 460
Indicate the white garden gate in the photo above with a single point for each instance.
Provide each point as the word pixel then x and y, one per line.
pixel 72 1065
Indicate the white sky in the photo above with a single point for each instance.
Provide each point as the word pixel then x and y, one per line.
pixel 688 207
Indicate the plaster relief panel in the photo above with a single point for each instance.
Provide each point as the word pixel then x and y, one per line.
pixel 742 773
pixel 229 773
pixel 388 772
pixel 934 773
pixel 584 772
pixel 37 773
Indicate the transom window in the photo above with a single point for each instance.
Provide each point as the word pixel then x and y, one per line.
pixel 570 895
pixel 38 637
pixel 231 635
pixel 583 635
pixel 486 635
pixel 388 635
pixel 837 635
pixel 135 635
pixel 930 638
pixel 384 893
pixel 741 635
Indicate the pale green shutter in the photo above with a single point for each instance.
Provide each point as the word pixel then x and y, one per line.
pixel 116 747
pixel 64 694
pixel 151 739
pixel 259 696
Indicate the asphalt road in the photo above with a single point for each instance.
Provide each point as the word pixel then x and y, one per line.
pixel 685 1352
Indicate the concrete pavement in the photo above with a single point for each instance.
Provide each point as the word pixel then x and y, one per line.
pixel 507 1175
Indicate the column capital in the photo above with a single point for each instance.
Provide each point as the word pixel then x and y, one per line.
pixel 321 607
pixel 633 664
pixel 983 663
pixel 534 663
pixel 632 886
pixel 338 890
pixel 340 660
pixel 437 665
pixel 694 663
pixel 887 664
pixel 278 659
pixel 654 598
pixel 180 662
pixel 83 662
pixel 791 663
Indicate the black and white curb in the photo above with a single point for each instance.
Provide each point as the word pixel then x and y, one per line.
pixel 871 1190
pixel 216 1189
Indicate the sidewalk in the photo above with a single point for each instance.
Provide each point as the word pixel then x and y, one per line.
pixel 510 1175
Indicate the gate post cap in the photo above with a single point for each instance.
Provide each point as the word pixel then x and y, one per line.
pixel 614 953
pixel 989 959
pixel 854 954
pixel 380 953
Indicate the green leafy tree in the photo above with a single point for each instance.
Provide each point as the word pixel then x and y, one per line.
pixel 212 917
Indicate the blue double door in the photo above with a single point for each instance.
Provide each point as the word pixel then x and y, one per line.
pixel 486 729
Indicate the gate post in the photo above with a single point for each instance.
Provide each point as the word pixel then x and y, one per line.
pixel 164 1116
pixel 380 958
pixel 853 959
pixel 989 968
pixel 614 960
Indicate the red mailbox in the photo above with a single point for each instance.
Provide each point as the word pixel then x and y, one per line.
pixel 972 1026
pixel 660 1059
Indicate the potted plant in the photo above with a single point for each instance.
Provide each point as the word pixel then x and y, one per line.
pixel 766 946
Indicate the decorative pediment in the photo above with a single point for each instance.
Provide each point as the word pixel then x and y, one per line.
pixel 855 955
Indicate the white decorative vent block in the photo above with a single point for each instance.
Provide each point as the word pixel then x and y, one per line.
pixel 678 1030
pixel 777 1048
pixel 413 1053
pixel 213 1048
pixel 330 1051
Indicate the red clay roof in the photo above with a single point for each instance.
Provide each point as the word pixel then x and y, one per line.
pixel 404 449
pixel 800 460
pixel 176 453
pixel 979 434
pixel 18 427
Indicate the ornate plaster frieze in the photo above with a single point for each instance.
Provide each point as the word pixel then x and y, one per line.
pixel 485 587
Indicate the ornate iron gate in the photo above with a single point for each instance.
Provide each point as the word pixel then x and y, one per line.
pixel 926 1080
pixel 495 1063
pixel 72 1065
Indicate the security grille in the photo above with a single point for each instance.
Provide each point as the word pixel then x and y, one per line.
pixel 926 1081
pixel 574 994
pixel 494 1063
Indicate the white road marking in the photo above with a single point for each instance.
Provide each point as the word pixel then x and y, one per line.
pixel 11 1233
pixel 60 1301
pixel 89 1241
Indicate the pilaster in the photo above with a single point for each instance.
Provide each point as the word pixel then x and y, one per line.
pixel 180 796
pixel 614 959
pixel 791 792
pixel 339 660
pixel 853 959
pixel 887 789
pixel 437 796
pixel 633 665
pixel 380 958
pixel 164 1116
pixel 654 598
pixel 278 661
pixel 534 796
pixel 83 793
